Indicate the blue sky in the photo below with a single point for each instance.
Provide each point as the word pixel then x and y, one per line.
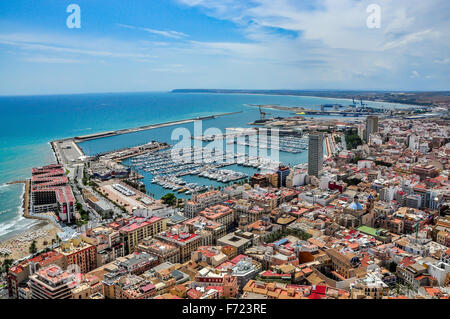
pixel 148 45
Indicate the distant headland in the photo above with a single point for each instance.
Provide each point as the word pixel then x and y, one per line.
pixel 402 97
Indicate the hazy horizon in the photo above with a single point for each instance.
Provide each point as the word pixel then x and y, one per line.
pixel 226 89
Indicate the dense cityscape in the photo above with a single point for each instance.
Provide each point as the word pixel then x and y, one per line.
pixel 224 158
pixel 367 217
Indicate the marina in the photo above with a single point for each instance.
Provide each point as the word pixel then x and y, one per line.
pixel 289 144
pixel 214 151
pixel 79 116
pixel 168 168
pixel 255 138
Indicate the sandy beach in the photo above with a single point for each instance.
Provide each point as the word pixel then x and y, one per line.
pixel 18 246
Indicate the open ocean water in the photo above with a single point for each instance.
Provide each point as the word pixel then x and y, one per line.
pixel 29 123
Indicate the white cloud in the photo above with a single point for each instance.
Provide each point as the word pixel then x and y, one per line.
pixel 164 33
pixel 415 75
pixel 336 24
pixel 335 34
pixel 75 47
pixel 169 34
pixel 443 61
pixel 411 38
pixel 322 44
pixel 44 59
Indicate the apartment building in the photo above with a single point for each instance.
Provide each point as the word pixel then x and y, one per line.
pixel 19 274
pixel 77 251
pixel 315 153
pixel 211 255
pixel 134 287
pixel 220 214
pixel 138 228
pixel 370 286
pixel 164 251
pixel 50 191
pixel 201 224
pixel 137 263
pixel 108 241
pixel 200 201
pixel 52 283
pixel 181 238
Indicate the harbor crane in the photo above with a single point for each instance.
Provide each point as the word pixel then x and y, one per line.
pixel 363 104
pixel 262 113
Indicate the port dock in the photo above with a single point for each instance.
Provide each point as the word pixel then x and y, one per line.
pixel 79 139
pixel 67 150
pixel 350 112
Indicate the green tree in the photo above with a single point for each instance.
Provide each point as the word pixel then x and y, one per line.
pixel 283 233
pixel 169 199
pixel 4 267
pixel 352 140
pixel 382 163
pixel 356 159
pixel 392 267
pixel 33 247
pixel 353 181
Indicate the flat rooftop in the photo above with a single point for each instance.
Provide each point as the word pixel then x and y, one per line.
pixel 138 222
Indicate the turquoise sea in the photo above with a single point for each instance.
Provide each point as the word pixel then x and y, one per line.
pixel 28 123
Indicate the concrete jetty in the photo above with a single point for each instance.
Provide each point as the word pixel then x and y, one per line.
pixel 79 139
pixel 16 182
pixel 67 151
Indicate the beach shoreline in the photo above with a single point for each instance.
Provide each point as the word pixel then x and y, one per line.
pixel 17 232
pixel 18 243
pixel 19 217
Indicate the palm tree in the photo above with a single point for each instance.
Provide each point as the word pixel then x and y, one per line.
pixel 33 248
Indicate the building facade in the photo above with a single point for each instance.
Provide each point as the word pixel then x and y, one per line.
pixel 315 153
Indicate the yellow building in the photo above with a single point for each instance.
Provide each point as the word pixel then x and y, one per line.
pixel 139 228
pixel 77 251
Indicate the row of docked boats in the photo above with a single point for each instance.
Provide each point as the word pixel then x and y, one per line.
pixel 289 144
pixel 191 161
pixel 222 175
pixel 176 184
pixel 168 166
